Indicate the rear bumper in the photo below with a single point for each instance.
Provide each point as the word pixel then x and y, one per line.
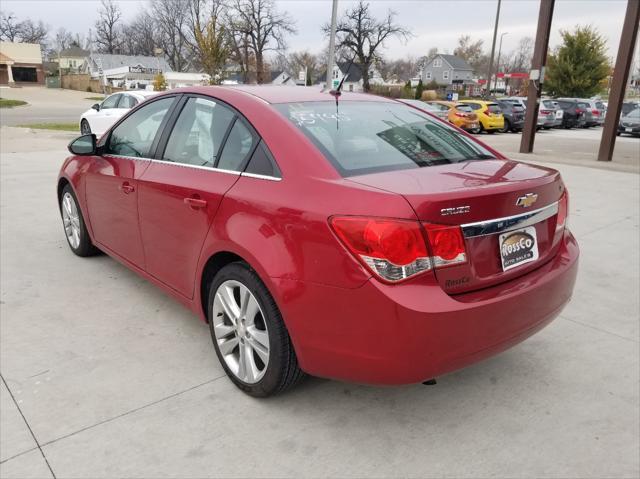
pixel 403 334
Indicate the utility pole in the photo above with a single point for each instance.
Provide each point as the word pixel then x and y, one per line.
pixel 537 74
pixel 332 45
pixel 495 85
pixel 493 50
pixel 619 81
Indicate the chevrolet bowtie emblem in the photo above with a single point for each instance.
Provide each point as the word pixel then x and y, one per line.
pixel 527 200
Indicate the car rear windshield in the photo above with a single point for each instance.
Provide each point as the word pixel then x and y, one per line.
pixel 366 137
pixel 464 108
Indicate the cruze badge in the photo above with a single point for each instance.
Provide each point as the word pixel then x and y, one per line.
pixel 527 200
pixel 455 211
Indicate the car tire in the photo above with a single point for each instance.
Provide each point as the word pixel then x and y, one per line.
pixel 74 226
pixel 85 128
pixel 261 342
pixel 491 132
pixel 506 127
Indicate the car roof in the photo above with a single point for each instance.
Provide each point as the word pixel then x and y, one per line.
pixel 286 94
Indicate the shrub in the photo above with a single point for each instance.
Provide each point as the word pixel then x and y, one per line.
pixel 428 95
pixel 89 89
pixel 159 83
pixel 419 90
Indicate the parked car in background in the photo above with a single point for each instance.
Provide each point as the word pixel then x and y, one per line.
pixel 380 245
pixel 541 121
pixel 489 114
pixel 630 123
pixel 101 116
pixel 573 114
pixel 628 107
pixel 437 110
pixel 518 100
pixel 459 114
pixel 597 111
pixel 552 106
pixel 513 116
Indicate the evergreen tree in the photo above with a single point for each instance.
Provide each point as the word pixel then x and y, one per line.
pixel 419 90
pixel 576 68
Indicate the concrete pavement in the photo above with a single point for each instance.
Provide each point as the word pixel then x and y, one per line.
pixel 115 379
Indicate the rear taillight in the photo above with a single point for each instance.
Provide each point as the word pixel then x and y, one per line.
pixel 595 112
pixel 486 112
pixel 579 111
pixel 447 245
pixel 461 115
pixel 563 210
pixel 545 112
pixel 395 249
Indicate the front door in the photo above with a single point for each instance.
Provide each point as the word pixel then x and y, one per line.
pixel 112 181
pixel 180 194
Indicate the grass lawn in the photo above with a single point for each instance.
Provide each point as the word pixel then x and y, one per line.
pixel 95 98
pixel 53 126
pixel 4 103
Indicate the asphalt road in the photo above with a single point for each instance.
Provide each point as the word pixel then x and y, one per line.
pixel 108 377
pixel 45 105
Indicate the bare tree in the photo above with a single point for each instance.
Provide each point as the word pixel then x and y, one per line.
pixel 9 27
pixel 172 23
pixel 472 52
pixel 140 36
pixel 63 40
pixel 519 60
pixel 304 61
pixel 363 35
pixel 108 28
pixel 400 70
pixel 262 27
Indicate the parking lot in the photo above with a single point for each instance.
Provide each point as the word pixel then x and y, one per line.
pixel 105 376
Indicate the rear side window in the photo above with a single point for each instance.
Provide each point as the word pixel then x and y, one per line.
pixel 262 163
pixel 110 102
pixel 135 135
pixel 198 134
pixel 239 144
pixel 494 108
pixel 368 136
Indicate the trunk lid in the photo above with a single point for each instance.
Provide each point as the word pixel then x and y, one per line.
pixel 469 193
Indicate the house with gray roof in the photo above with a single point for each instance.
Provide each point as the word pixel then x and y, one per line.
pixel 446 70
pixel 353 73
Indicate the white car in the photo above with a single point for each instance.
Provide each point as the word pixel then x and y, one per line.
pixel 101 116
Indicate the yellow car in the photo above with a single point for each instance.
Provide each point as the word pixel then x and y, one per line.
pixel 489 114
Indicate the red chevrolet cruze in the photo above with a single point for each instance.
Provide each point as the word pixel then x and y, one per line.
pixel 355 238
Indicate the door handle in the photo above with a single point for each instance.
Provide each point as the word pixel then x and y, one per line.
pixel 195 203
pixel 127 188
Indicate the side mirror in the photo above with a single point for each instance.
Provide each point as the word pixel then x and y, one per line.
pixel 96 106
pixel 84 145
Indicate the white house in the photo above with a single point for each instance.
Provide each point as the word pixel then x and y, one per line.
pixel 353 82
pixel 282 78
pixel 182 79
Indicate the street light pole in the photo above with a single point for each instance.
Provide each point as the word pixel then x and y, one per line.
pixel 332 44
pixel 493 50
pixel 495 84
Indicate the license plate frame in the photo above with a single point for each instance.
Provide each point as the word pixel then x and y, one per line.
pixel 518 247
pixel 628 130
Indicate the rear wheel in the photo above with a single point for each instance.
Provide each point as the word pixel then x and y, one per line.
pixel 248 333
pixel 75 229
pixel 506 127
pixel 85 128
pixel 491 132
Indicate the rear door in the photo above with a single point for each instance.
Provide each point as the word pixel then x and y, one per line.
pixel 200 157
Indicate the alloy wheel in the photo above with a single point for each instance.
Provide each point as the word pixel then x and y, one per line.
pixel 240 331
pixel 71 220
pixel 85 129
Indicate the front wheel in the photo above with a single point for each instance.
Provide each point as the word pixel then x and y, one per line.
pixel 85 128
pixel 74 227
pixel 248 333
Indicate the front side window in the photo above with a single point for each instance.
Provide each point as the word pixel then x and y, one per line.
pixel 135 135
pixel 198 134
pixel 239 144
pixel 110 102
pixel 364 137
pixel 127 101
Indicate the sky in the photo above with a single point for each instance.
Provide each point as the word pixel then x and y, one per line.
pixel 434 23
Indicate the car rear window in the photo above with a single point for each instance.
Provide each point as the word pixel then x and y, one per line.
pixel 366 137
pixel 465 108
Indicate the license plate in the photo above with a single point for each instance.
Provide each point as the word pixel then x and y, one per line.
pixel 518 247
pixel 628 130
pixel 559 115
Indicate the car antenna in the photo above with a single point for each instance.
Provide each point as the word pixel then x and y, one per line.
pixel 338 91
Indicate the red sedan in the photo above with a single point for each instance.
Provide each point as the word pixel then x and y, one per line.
pixel 355 238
